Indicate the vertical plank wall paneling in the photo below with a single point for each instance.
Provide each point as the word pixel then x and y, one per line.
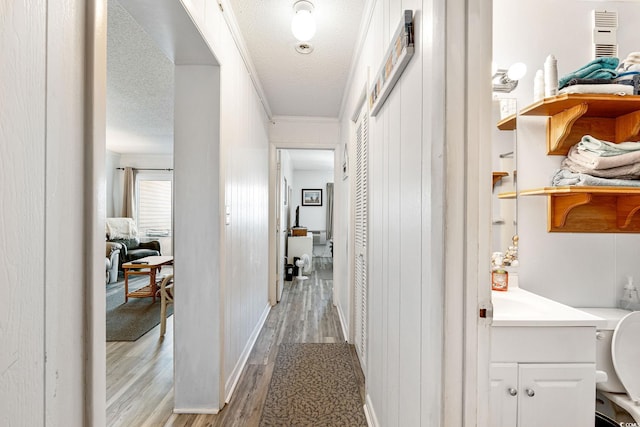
pixel 398 208
pixel 41 205
pixel 66 294
pixel 244 188
pixel 22 174
pixel 245 172
pixel 411 170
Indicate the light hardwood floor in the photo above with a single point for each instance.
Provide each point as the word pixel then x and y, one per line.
pixel 140 374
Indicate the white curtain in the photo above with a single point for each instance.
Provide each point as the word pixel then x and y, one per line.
pixel 329 210
pixel 129 193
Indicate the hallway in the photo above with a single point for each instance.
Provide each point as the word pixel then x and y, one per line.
pixel 139 383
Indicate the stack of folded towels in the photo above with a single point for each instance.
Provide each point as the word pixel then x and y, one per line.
pixel 605 75
pixel 629 72
pixel 600 163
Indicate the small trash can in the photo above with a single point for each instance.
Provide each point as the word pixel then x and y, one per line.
pixel 288 272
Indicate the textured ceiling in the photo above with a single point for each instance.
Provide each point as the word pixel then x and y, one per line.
pixel 140 81
pixel 139 88
pixel 295 84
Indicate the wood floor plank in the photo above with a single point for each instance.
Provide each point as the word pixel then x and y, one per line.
pixel 140 374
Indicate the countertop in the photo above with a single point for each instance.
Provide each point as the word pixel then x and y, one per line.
pixel 517 307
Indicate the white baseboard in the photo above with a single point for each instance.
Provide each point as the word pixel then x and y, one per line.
pixel 233 379
pixel 369 413
pixel 343 323
pixel 196 411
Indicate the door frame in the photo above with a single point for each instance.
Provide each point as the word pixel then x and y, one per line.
pixel 178 37
pixel 273 178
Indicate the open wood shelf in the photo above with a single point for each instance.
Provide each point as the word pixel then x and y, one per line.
pixel 508 123
pixel 497 176
pixel 583 209
pixel 612 118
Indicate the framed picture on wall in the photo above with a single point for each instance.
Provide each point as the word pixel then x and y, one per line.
pixel 311 197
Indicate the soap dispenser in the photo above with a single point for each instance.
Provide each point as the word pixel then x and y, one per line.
pixel 630 299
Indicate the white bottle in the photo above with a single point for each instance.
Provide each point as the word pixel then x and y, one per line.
pixel 550 76
pixel 630 300
pixel 538 86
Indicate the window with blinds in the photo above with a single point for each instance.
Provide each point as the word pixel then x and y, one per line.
pixel 154 208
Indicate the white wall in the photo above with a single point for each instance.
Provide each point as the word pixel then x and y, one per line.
pixel 114 184
pixel 312 217
pixel 578 269
pixel 297 132
pixel 198 311
pixel 403 376
pixel 244 191
pixel 115 176
pixel 41 205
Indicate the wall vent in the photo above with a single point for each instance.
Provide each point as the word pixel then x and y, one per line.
pixel 605 37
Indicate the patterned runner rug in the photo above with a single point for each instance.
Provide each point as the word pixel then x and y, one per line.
pixel 313 385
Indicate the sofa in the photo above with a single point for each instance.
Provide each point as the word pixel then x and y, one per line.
pixel 125 232
pixel 133 249
pixel 112 261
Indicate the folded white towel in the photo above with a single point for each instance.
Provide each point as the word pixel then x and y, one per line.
pixel 605 148
pixel 611 89
pixel 564 177
pixel 621 172
pixel 592 160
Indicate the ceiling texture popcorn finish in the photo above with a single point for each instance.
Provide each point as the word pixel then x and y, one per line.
pixel 294 84
pixel 139 88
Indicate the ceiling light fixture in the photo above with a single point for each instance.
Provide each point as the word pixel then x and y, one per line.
pixel 303 26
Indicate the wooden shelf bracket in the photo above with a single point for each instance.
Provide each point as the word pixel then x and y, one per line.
pixel 561 205
pixel 626 208
pixel 559 129
pixel 628 127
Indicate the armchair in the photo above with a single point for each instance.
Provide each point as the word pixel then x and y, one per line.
pixel 112 261
pixel 125 232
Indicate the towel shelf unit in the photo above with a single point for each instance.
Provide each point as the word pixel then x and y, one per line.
pixel 571 116
pixel 583 209
pixel 589 209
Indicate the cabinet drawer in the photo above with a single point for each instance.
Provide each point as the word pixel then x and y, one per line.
pixel 543 344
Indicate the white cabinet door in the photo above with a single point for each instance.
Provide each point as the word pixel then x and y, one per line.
pixel 504 395
pixel 556 395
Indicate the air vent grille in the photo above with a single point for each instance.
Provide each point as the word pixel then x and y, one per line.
pixel 605 38
pixel 603 18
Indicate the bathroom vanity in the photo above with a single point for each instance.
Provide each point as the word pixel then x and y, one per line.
pixel 543 356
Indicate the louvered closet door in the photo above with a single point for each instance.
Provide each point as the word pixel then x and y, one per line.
pixel 360 227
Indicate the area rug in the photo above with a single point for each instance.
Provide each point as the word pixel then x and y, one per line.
pixel 131 320
pixel 313 385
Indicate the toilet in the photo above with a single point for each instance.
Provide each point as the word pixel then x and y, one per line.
pixel 618 356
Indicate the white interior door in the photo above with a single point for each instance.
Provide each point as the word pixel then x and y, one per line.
pixel 360 228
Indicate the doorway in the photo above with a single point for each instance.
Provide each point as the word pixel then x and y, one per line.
pixel 195 202
pixel 304 214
